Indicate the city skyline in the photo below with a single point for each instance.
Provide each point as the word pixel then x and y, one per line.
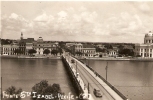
pixel 93 21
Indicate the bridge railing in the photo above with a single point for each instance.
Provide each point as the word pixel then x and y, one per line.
pixel 112 87
pixel 73 76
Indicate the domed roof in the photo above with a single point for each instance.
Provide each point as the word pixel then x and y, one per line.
pixel 149 34
pixel 40 39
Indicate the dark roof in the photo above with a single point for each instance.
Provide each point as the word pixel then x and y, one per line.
pixel 128 47
pixel 88 46
pixel 28 40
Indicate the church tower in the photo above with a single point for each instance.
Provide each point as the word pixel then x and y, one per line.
pixel 21 36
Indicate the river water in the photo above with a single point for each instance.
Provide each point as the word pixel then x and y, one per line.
pixel 132 78
pixel 25 73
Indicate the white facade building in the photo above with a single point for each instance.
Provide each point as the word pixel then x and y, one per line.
pixel 9 49
pixel 145 50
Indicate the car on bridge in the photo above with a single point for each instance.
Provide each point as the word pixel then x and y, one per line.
pixel 72 61
pixel 97 93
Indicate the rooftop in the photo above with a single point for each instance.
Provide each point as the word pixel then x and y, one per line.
pixel 88 46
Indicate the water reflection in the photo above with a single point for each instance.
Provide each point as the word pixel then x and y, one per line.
pixel 133 78
pixel 25 73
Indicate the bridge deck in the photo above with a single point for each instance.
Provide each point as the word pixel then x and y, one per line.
pixel 87 76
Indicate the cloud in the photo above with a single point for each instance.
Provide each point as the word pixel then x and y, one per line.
pixel 10 27
pixel 62 14
pixel 79 23
pixel 125 24
pixel 14 16
pixel 44 18
pixel 14 24
pixel 144 7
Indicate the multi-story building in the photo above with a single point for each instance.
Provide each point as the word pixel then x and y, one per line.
pixel 24 45
pixel 112 53
pixel 89 50
pixel 41 45
pixel 86 49
pixel 9 49
pixel 145 49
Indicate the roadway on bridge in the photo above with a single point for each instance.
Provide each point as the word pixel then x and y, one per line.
pixel 93 83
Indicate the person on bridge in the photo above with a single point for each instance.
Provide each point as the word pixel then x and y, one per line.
pixel 84 86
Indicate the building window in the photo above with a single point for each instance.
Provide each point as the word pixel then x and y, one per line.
pixel 145 55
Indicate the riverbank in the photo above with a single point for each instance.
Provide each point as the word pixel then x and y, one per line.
pixel 117 59
pixel 30 57
pixel 81 58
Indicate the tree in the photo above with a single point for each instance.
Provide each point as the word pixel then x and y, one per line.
pixel 43 88
pixel 6 41
pixel 126 52
pixel 100 55
pixel 60 50
pixel 108 46
pixel 46 51
pixel 31 51
pixel 98 49
pixel 13 91
pixel 120 47
pixel 54 52
pixel 138 55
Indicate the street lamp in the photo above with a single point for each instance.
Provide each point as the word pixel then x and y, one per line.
pixel 88 60
pixel 106 70
pixel 76 67
pixel 1 87
pixel 88 90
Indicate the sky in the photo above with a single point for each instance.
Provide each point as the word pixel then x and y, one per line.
pixel 93 21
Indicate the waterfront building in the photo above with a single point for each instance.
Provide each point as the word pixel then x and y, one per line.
pixel 24 45
pixel 6 49
pixel 29 45
pixel 89 50
pixel 86 49
pixel 146 49
pixel 41 45
pixel 9 49
pixel 112 53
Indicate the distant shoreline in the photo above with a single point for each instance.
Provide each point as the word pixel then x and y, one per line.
pixel 91 58
pixel 119 59
pixel 29 57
